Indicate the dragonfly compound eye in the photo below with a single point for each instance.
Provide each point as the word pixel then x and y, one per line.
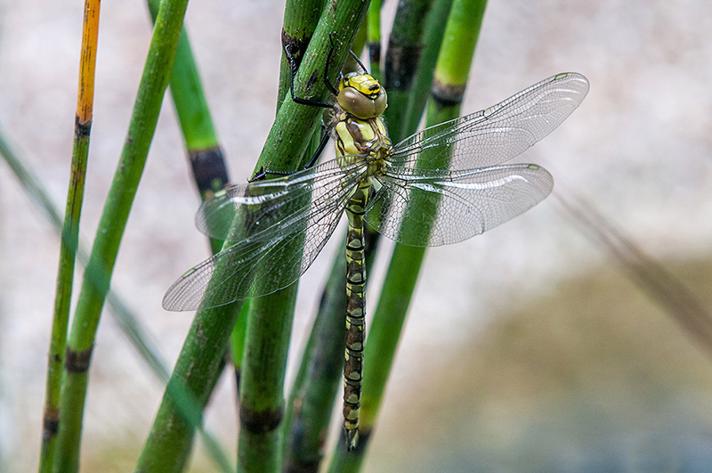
pixel 362 106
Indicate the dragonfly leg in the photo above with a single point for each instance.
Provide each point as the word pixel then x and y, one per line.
pixel 322 144
pixel 294 67
pixel 263 173
pixel 358 61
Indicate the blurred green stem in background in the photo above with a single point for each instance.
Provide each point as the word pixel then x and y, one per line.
pixel 373 37
pixel 451 74
pixel 432 39
pixel 402 58
pixel 117 207
pixel 70 234
pixel 128 322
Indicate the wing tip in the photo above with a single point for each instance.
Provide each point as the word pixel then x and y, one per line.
pixel 575 77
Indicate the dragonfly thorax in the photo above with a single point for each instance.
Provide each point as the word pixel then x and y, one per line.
pixel 362 96
pixel 358 139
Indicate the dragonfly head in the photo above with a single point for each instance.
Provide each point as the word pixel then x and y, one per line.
pixel 361 95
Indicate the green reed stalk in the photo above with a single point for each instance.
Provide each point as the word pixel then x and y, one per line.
pixel 432 39
pixel 70 234
pixel 202 145
pixel 319 372
pixel 402 58
pixel 128 322
pixel 209 171
pixel 206 156
pixel 451 76
pixel 300 20
pixel 269 324
pixel 111 227
pixel 199 362
pixel 319 375
pixel 373 38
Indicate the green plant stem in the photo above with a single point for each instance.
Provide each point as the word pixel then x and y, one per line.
pixel 317 381
pixel 266 338
pixel 435 24
pixel 199 361
pixel 319 371
pixel 402 58
pixel 373 37
pixel 451 76
pixel 70 234
pixel 318 377
pixel 300 20
pixel 128 322
pixel 111 227
pixel 196 123
pixel 269 325
pixel 237 345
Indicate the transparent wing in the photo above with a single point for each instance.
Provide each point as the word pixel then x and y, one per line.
pixel 499 133
pixel 304 213
pixel 423 209
pixel 267 201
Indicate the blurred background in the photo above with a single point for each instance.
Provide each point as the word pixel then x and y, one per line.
pixel 526 349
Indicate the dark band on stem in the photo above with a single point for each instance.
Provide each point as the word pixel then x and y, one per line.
pixel 295 48
pixel 303 464
pixel 81 129
pixel 78 361
pixel 374 53
pixel 401 63
pixel 209 169
pixel 447 95
pixel 260 422
pixel 50 423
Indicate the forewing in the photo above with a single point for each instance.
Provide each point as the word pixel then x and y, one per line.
pixel 272 245
pixel 432 210
pixel 497 134
pixel 267 201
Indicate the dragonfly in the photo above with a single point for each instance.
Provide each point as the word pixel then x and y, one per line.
pixel 439 186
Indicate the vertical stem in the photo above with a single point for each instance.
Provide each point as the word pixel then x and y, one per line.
pixel 374 37
pixel 317 380
pixel 199 361
pixel 203 147
pixel 402 58
pixel 70 233
pixel 111 227
pixel 269 324
pixel 451 74
pixel 432 39
pixel 265 339
pixel 127 320
pixel 300 20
